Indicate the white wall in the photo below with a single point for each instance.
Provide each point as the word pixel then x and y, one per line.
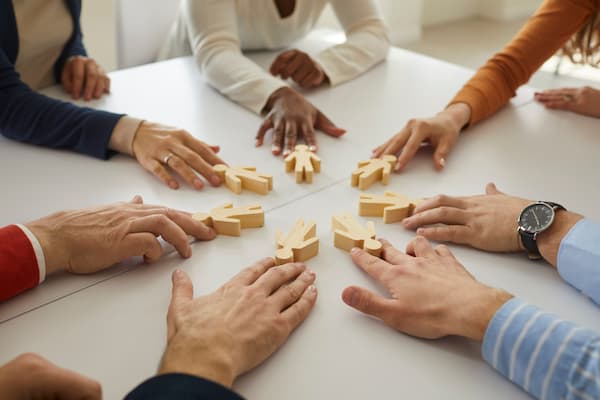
pixel 440 11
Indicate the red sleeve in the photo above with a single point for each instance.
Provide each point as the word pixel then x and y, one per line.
pixel 18 265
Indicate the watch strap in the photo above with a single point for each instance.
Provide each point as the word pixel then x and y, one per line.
pixel 529 240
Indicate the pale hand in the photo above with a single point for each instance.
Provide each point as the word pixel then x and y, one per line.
pixel 83 77
pixel 441 132
pixel 432 294
pixel 300 67
pixel 89 240
pixel 584 101
pixel 30 376
pixel 290 116
pixel 221 335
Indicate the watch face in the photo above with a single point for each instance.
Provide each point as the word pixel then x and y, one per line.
pixel 536 217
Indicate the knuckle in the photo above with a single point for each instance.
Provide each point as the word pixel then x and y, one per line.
pixel 292 292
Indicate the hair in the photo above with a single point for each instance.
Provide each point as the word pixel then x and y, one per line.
pixel 584 46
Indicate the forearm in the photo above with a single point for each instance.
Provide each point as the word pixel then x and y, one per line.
pixel 546 356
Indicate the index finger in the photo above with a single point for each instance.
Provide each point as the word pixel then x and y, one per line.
pixel 281 61
pixel 249 275
pixel 205 151
pixel 372 265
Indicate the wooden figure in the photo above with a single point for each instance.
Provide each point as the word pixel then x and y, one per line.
pixel 349 233
pixel 303 162
pixel 238 178
pixel 373 170
pixel 299 245
pixel 229 220
pixel 393 207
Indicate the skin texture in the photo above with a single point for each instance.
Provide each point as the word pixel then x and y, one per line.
pixel 487 222
pixel 30 376
pixel 82 77
pixel 153 142
pixel 584 101
pixel 431 294
pixel 89 240
pixel 299 67
pixel 441 132
pixel 290 116
pixel 226 333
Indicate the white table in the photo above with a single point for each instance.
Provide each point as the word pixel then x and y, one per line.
pixel 111 326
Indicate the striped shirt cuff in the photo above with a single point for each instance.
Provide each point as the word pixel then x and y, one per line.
pixel 39 252
pixel 538 351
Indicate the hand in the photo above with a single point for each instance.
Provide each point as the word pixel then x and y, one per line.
pixel 87 241
pixel 30 376
pixel 154 143
pixel 227 333
pixel 487 222
pixel 290 116
pixel 432 294
pixel 295 64
pixel 83 76
pixel 441 132
pixel 585 100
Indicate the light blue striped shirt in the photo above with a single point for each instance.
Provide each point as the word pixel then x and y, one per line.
pixel 548 357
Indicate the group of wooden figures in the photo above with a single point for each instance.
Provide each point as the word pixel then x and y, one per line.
pixel 302 243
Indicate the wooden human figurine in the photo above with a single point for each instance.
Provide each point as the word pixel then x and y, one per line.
pixel 393 207
pixel 349 233
pixel 304 163
pixel 299 245
pixel 373 170
pixel 238 178
pixel 229 220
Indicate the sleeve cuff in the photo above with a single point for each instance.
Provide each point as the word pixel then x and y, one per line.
pixel 39 252
pixel 181 387
pixel 123 133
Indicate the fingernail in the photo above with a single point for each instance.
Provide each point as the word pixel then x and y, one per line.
pixel 420 231
pixel 173 185
pixel 286 153
pixel 353 298
pixel 312 289
pixel 311 272
pixel 177 274
pixel 257 143
pixel 197 183
pixel 406 221
pixel 312 148
pixel 354 250
pixel 442 162
pixel 215 180
pixel 276 150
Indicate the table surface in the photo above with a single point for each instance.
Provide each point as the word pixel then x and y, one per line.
pixel 110 326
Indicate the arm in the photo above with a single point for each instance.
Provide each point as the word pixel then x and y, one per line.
pixel 366 42
pixel 546 32
pixel 213 35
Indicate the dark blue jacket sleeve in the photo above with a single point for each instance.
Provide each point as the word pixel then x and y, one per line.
pixel 74 46
pixel 28 116
pixel 181 387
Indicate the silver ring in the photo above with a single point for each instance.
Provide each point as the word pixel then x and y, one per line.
pixel 167 158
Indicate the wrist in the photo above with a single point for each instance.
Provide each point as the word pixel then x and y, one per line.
pixel 474 319
pixel 47 236
pixel 549 241
pixel 459 114
pixel 123 135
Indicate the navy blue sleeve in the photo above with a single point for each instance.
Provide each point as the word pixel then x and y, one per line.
pixel 30 117
pixel 181 387
pixel 74 46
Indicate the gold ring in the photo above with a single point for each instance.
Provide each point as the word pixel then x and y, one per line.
pixel 167 158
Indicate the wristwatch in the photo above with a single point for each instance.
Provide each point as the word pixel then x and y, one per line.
pixel 533 220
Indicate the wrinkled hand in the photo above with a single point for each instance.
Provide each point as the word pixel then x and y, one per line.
pixel 221 335
pixel 153 143
pixel 432 294
pixel 441 132
pixel 300 67
pixel 585 100
pixel 89 240
pixel 290 115
pixel 30 376
pixel 486 222
pixel 82 76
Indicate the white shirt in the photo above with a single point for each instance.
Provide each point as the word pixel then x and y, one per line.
pixel 216 32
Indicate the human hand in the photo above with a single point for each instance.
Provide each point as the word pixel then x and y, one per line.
pixel 290 115
pixel 585 100
pixel 30 376
pixel 157 147
pixel 232 330
pixel 487 222
pixel 300 67
pixel 89 240
pixel 441 132
pixel 82 76
pixel 432 294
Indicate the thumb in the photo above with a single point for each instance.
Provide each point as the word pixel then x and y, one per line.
pixel 491 188
pixel 441 152
pixel 137 199
pixel 366 301
pixel 324 124
pixel 183 290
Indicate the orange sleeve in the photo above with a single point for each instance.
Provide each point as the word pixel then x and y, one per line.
pixel 546 32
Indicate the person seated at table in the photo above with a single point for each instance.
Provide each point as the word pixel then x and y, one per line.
pixel 41 45
pixel 571 25
pixel 433 296
pixel 90 240
pixel 216 32
pixel 205 352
